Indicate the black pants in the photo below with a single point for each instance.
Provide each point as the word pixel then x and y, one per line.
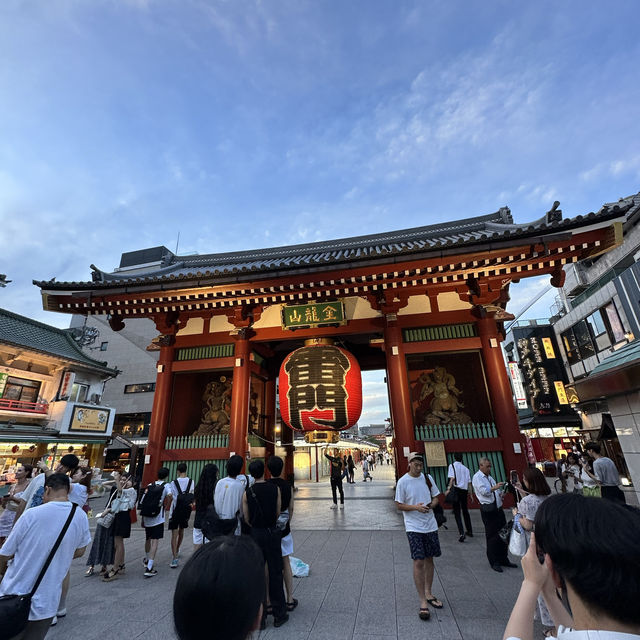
pixel 613 493
pixel 496 549
pixel 462 505
pixel 269 542
pixel 336 483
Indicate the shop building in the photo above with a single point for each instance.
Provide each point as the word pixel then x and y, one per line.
pixel 427 305
pixel 51 396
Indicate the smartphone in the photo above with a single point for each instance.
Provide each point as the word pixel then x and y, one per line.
pixel 514 476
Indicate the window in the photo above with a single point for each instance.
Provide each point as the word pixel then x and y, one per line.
pixel 79 392
pixel 145 387
pixel 583 338
pixel 617 330
pixel 21 389
pixel 596 322
pixel 570 346
pixel 103 346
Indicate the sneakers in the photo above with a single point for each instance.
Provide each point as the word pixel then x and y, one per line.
pixel 174 563
pixel 333 506
pixel 149 573
pixel 61 613
pixel 342 506
pixel 461 538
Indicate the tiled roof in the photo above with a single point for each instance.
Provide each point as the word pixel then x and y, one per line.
pixel 452 237
pixel 24 332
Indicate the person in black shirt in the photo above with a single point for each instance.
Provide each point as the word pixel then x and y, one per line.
pixel 336 477
pixel 261 508
pixel 275 465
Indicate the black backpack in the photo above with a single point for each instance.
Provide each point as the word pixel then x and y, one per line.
pixel 151 503
pixel 184 502
pixel 212 525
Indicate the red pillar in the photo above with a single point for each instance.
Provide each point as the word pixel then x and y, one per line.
pixel 399 395
pixel 504 411
pixel 159 414
pixel 238 441
pixel 270 418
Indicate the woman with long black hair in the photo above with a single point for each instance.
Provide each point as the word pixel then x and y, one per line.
pixel 203 497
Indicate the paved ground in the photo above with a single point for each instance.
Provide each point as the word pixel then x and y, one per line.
pixel 360 584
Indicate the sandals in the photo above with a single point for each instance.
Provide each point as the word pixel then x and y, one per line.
pixel 292 605
pixel 424 614
pixel 435 603
pixel 111 575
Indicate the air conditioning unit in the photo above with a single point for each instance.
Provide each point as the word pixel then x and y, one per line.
pixel 96 398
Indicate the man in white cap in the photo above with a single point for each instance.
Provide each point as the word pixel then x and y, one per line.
pixel 416 496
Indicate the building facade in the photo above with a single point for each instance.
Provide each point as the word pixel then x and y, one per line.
pixel 427 305
pixel 51 396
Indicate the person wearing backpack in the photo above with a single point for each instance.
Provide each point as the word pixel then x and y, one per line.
pixel 181 507
pixel 156 499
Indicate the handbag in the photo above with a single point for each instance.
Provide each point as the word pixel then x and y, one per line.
pixel 453 497
pixel 282 521
pixel 506 531
pixel 105 520
pixel 14 609
pixel 517 543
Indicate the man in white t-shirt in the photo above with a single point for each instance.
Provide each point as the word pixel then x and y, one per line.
pixel 30 543
pixel 157 501
pixel 178 522
pixel 227 498
pixel 416 496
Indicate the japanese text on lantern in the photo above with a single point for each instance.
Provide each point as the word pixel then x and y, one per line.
pixel 313 315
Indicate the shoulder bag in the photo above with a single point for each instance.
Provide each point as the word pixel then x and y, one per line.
pixel 14 609
pixel 453 497
pixel 438 511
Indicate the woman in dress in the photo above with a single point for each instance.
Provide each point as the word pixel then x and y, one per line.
pixel 573 473
pixel 351 466
pixel 11 502
pixel 121 506
pixel 590 483
pixel 203 497
pixel 103 547
pixel 535 490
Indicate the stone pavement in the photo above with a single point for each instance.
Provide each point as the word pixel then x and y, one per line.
pixel 360 585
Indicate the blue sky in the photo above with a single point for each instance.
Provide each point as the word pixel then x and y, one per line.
pixel 248 124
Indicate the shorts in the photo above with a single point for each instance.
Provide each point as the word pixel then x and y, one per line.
pixel 424 545
pixel 198 536
pixel 154 533
pixel 178 524
pixel 286 545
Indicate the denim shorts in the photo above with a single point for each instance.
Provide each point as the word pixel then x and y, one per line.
pixel 424 545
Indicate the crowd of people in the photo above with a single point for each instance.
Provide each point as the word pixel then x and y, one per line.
pixel 581 552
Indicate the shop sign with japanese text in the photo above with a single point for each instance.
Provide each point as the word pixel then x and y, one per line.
pixel 303 316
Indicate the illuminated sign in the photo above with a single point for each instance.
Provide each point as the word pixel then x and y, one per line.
pixel 89 419
pixel 560 392
pixel 548 348
pixel 518 387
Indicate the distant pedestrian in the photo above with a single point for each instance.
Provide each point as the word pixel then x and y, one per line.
pixel 29 545
pixel 203 497
pixel 606 472
pixel 489 494
pixel 365 470
pixel 416 496
pixel 351 468
pixel 573 473
pixel 590 482
pixel 387 457
pixel 560 465
pixel 180 511
pixel 80 486
pixel 460 483
pixel 335 462
pixel 153 505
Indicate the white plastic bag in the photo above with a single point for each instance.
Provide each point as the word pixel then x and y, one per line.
pixel 298 568
pixel 517 543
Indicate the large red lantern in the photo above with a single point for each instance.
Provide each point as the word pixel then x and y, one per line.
pixel 320 388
